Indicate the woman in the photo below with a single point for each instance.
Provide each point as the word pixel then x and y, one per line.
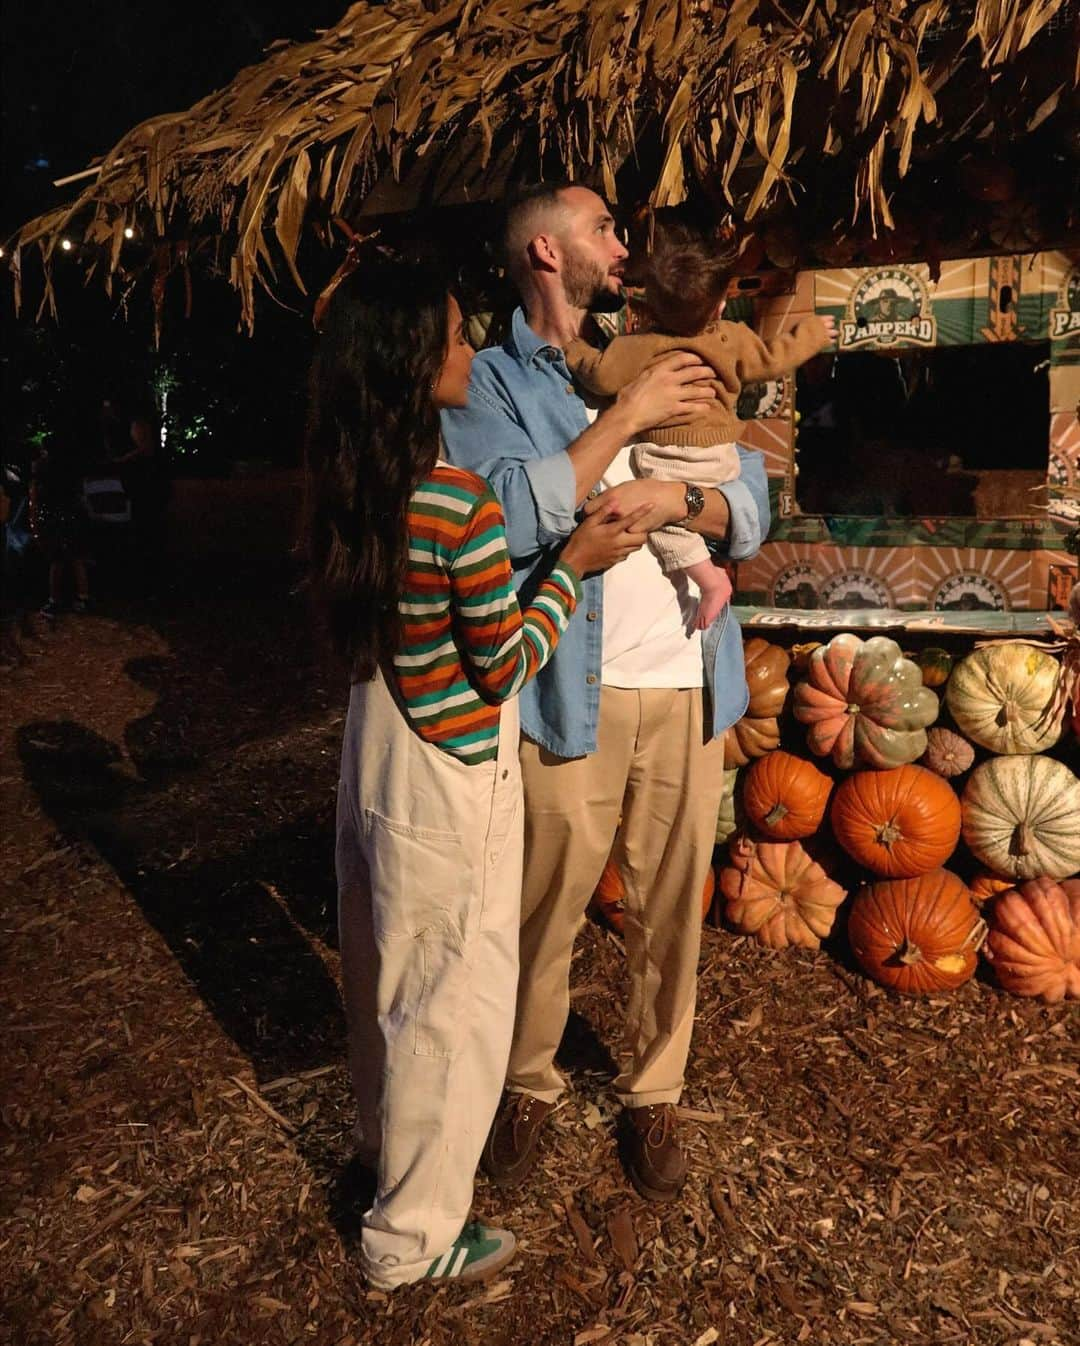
pixel 409 555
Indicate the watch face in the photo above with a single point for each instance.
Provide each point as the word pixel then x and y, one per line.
pixel 695 501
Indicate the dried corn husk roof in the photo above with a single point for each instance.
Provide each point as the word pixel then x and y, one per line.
pixel 412 101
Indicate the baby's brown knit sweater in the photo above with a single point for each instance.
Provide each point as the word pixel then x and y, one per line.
pixel 737 354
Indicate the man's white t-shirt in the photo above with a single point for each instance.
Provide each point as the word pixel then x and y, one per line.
pixel 649 635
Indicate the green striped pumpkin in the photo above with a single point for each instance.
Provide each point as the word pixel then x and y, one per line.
pixel 1021 817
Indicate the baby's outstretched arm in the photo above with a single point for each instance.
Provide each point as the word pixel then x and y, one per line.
pixel 758 359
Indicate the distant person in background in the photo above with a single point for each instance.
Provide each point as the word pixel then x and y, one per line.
pixel 59 523
pixel 134 450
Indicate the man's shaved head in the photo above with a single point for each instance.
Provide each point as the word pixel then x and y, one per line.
pixel 531 211
pixel 564 232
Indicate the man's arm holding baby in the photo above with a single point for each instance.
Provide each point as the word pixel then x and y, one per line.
pixel 674 390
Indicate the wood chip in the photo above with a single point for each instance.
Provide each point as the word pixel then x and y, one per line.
pixel 263 1106
pixel 620 1227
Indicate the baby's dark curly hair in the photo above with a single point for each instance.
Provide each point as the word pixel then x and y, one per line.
pixel 685 273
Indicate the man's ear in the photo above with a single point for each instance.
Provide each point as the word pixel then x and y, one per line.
pixel 720 309
pixel 543 254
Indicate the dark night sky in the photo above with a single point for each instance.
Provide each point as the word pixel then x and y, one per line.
pixel 77 76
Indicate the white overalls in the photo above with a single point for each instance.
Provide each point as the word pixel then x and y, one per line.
pixel 429 914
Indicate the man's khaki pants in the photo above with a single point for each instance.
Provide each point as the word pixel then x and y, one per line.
pixel 429 886
pixel 653 769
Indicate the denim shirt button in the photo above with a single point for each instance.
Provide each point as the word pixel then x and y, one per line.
pixel 591 616
pixel 590 678
pixel 569 387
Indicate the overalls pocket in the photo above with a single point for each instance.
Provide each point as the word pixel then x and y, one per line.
pixel 421 889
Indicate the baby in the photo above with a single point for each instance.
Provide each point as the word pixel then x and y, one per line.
pixel 685 278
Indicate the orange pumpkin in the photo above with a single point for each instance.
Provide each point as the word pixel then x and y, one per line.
pixel 898 823
pixel 936 665
pixel 916 935
pixel 785 796
pixel 758 732
pixel 750 738
pixel 766 677
pixel 984 885
pixel 1034 939
pixel 777 893
pixel 610 895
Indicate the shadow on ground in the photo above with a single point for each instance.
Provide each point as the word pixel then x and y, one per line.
pixel 240 924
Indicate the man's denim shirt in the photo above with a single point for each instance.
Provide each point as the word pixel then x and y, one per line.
pixel 522 414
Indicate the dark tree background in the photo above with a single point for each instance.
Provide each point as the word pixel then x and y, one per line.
pixel 75 78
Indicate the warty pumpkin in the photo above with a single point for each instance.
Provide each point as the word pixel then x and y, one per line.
pixel 766 677
pixel 758 732
pixel 785 796
pixel 610 895
pixel 898 823
pixel 864 703
pixel 774 891
pixel 947 754
pixel 1034 939
pixel 749 738
pixel 1002 697
pixel 916 935
pixel 1021 817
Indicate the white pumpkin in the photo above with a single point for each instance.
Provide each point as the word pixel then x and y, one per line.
pixel 1021 817
pixel 1001 696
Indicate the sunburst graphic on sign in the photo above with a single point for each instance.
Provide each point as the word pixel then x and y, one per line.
pixel 869 577
pixel 960 279
pixel 790 574
pixel 969 579
pixel 772 436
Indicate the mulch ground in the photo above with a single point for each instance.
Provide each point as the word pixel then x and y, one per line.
pixel 176 1116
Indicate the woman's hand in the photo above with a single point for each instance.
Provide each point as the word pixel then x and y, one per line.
pixel 665 500
pixel 603 540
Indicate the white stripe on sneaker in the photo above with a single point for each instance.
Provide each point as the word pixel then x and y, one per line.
pixel 439 1269
pixel 462 1258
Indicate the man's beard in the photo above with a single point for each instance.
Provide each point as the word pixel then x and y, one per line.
pixel 585 285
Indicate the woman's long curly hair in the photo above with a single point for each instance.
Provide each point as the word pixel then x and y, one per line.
pixel 372 436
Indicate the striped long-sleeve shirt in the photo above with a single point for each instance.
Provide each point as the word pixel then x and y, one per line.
pixel 466 645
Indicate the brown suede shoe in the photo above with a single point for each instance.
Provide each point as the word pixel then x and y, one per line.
pixel 654 1159
pixel 510 1149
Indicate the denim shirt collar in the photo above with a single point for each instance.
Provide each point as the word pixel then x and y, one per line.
pixel 524 344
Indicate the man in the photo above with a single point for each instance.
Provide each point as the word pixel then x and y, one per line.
pixel 613 729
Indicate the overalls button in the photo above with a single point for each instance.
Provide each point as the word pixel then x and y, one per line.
pixel 591 616
pixel 569 387
pixel 590 679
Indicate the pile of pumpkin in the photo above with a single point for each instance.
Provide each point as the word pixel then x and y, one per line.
pixel 835 782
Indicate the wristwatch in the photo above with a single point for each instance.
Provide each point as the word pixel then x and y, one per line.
pixel 695 503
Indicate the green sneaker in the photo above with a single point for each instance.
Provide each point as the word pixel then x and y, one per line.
pixel 477 1253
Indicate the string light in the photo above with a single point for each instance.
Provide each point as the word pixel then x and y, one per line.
pixel 65 243
pixel 129 232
